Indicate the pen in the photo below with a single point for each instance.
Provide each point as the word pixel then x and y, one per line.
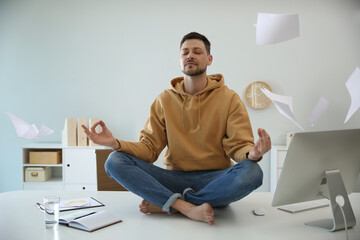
pixel 85 215
pixel 40 206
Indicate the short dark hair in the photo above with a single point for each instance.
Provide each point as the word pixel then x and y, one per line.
pixel 195 35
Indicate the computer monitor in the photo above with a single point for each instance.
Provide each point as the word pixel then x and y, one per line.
pixel 318 165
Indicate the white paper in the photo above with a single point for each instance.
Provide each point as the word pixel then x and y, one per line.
pixel 284 105
pixel 27 131
pixel 353 86
pixel 318 111
pixel 79 202
pixel 274 28
pixel 67 217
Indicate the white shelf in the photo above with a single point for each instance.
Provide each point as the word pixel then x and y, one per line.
pixel 42 165
pixel 54 145
pixel 56 181
pixel 53 180
pixel 57 145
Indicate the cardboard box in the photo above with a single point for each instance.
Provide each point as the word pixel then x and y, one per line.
pixel 45 157
pixel 37 174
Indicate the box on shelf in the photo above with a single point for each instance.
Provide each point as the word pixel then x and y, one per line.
pixel 37 174
pixel 45 157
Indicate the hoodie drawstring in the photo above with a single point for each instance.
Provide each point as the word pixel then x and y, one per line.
pixel 198 126
pixel 182 113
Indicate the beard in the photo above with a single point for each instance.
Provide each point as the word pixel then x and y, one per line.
pixel 194 72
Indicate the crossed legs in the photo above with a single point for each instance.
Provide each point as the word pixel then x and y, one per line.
pixel 162 190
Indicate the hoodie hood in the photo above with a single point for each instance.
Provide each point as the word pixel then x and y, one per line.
pixel 214 81
pixel 177 85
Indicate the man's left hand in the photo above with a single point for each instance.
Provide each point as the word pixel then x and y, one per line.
pixel 262 146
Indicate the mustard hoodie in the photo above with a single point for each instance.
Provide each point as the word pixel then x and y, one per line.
pixel 201 131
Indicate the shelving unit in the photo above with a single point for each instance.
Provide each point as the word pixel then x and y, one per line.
pixel 81 168
pixel 56 182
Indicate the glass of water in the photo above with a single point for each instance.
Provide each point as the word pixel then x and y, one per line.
pixel 51 205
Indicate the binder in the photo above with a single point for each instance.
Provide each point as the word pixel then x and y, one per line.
pixel 69 133
pixel 82 139
pixel 92 121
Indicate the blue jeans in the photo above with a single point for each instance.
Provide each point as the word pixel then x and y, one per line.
pixel 163 187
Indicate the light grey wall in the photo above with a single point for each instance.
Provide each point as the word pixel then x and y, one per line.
pixel 110 59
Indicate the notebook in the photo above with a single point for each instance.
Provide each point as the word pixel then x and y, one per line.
pixel 88 220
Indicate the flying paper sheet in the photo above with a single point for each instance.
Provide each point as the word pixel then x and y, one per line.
pixel 283 105
pixel 318 111
pixel 275 28
pixel 353 86
pixel 27 131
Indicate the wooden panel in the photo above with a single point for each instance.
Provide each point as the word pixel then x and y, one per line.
pixel 104 182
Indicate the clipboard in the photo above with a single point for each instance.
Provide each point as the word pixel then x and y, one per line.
pixel 78 203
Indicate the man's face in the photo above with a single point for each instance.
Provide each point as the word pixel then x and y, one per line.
pixel 193 57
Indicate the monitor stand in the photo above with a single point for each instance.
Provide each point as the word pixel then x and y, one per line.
pixel 336 188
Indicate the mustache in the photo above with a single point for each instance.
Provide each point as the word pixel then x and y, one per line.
pixel 190 61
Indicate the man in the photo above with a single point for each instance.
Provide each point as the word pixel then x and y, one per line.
pixel 204 125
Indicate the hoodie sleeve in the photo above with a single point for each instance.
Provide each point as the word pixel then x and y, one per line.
pixel 239 138
pixel 152 138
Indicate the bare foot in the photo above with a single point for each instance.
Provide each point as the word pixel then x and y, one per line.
pixel 203 212
pixel 147 208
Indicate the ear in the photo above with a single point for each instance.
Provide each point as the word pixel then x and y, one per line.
pixel 210 59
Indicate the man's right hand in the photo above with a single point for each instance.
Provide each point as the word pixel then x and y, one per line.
pixel 104 137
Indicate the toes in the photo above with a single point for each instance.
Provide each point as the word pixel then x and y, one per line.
pixel 144 203
pixel 144 210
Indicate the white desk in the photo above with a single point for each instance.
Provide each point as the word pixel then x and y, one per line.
pixel 21 220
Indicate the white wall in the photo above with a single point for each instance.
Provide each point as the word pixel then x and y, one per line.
pixel 110 59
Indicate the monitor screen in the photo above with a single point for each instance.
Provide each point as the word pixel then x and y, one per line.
pixel 310 154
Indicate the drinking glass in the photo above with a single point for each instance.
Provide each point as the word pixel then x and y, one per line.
pixel 51 205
